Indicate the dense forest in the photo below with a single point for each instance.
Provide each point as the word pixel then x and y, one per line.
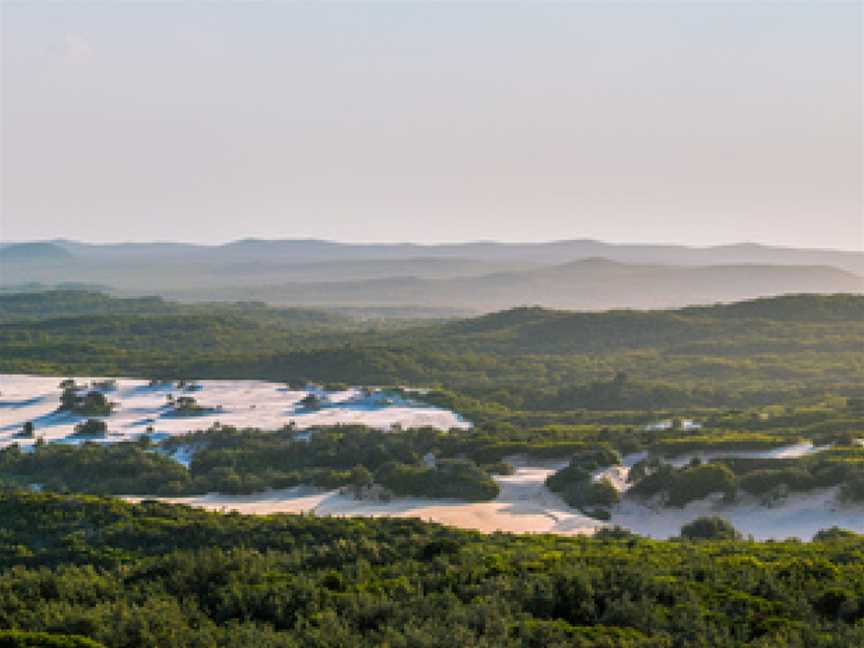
pixel 159 575
pixel 528 359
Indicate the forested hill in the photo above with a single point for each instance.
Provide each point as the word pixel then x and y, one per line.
pixel 68 303
pixel 536 329
pixel 91 304
pixel 760 351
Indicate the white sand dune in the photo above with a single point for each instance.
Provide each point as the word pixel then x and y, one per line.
pixel 618 474
pixel 525 505
pixel 243 403
pixel 799 516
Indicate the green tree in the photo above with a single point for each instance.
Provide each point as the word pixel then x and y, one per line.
pixel 709 528
pixel 361 478
pixel 91 428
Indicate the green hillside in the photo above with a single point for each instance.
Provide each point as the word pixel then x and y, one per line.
pixel 769 350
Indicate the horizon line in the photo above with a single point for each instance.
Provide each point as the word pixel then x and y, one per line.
pixel 431 244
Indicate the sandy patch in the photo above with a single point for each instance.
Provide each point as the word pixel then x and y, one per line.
pixel 524 505
pixel 799 516
pixel 242 403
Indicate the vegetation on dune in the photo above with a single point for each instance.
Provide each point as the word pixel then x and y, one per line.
pixel 577 486
pixel 234 461
pixel 450 478
pixel 579 490
pixel 243 461
pixel 27 431
pixel 678 487
pixel 90 428
pixel 109 469
pixel 90 403
pixel 765 478
pixel 187 406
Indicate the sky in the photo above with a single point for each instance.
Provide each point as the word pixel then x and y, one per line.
pixel 684 122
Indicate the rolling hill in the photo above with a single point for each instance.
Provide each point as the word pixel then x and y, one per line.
pixel 592 284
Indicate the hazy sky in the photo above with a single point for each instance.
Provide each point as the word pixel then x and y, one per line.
pixel 683 122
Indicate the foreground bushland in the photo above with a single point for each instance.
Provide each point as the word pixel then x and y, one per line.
pixel 155 574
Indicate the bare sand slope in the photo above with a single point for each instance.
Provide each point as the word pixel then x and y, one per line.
pixel 242 403
pixel 524 505
pixel 798 516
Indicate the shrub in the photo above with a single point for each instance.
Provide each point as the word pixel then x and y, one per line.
pixel 615 532
pixel 834 534
pixel 709 528
pixel 311 402
pixel 660 479
pixel 576 487
pixel 583 495
pixel 698 482
pixel 567 476
pixel 451 478
pixel 596 457
pixel 90 428
pixel 760 482
pixel 93 403
pixel 26 431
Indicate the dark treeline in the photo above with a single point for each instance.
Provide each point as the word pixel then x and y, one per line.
pixel 234 461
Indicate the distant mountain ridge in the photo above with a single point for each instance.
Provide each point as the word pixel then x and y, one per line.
pixel 33 252
pixel 551 252
pixel 469 277
pixel 591 284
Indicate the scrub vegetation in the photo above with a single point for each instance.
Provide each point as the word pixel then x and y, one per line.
pixel 763 352
pixel 157 574
pixel 697 402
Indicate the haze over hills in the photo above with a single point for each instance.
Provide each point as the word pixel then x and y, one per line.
pixel 589 285
pixel 33 252
pixel 480 276
pixel 552 252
